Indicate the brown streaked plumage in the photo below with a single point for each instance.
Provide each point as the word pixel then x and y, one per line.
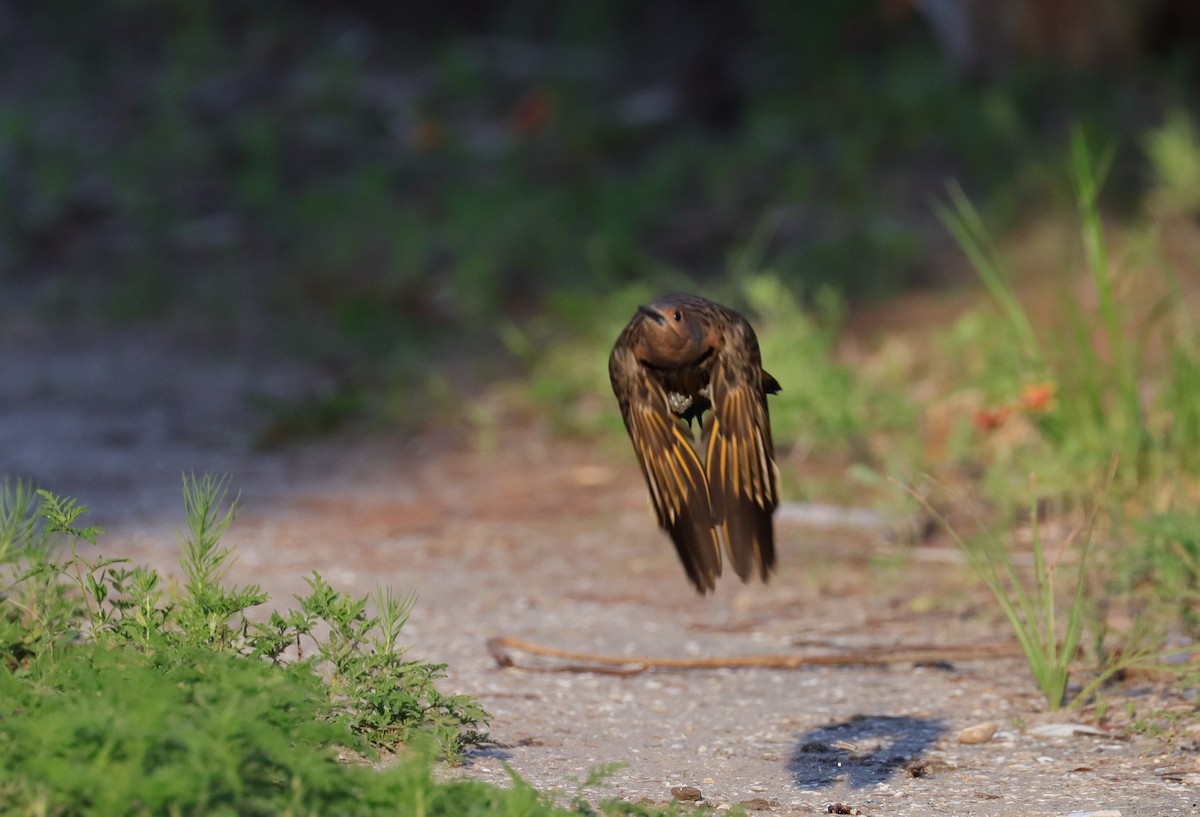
pixel 678 358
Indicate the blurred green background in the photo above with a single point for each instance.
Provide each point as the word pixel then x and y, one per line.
pixel 372 185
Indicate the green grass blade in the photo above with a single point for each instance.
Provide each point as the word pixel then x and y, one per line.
pixel 965 224
pixel 1089 178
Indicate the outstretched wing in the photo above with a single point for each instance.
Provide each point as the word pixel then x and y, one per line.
pixel 739 456
pixel 673 471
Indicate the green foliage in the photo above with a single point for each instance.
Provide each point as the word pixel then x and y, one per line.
pixel 371 221
pixel 1116 380
pixel 115 730
pixel 1173 149
pixel 321 414
pixel 204 612
pixel 565 353
pixel 54 604
pixel 1048 645
pixel 964 221
pixel 381 694
pixel 824 406
pixel 1104 396
pixel 119 700
pixel 39 613
pixel 1164 563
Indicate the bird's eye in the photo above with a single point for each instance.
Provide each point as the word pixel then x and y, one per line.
pixel 678 316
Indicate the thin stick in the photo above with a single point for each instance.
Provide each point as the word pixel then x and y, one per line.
pixel 631 665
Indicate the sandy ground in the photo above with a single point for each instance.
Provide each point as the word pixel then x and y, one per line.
pixel 553 541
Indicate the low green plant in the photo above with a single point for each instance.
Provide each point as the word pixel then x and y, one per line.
pixel 111 729
pixel 41 613
pixel 115 730
pixel 120 698
pixel 54 600
pixel 381 694
pixel 1049 646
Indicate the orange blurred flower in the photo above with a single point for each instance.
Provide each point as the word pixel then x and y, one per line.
pixel 1038 398
pixel 989 418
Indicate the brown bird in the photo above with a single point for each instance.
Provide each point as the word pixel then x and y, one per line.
pixel 678 358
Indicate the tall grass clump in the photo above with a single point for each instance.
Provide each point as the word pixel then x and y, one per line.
pixel 1049 635
pixel 1119 377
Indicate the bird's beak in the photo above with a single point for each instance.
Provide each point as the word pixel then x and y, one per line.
pixel 652 313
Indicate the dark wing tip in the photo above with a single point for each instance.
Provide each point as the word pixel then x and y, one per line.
pixel 751 542
pixel 697 552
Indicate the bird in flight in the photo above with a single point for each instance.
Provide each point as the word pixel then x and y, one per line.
pixel 679 358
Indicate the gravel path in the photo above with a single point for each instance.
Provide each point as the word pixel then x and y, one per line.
pixel 553 542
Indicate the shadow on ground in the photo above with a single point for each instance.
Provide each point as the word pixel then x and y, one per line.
pixel 861 751
pixel 489 751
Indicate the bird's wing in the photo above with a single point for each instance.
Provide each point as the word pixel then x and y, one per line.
pixel 739 458
pixel 673 471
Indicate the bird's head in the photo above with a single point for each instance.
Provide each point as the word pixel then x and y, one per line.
pixel 673 333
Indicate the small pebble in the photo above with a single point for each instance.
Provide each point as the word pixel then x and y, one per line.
pixel 1108 812
pixel 755 804
pixel 1066 730
pixel 926 766
pixel 979 733
pixel 841 808
pixel 686 793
